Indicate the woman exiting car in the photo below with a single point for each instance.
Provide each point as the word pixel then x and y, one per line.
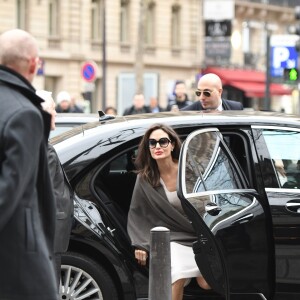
pixel 155 203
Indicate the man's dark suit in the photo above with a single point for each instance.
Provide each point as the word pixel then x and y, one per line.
pixel 27 205
pixel 226 104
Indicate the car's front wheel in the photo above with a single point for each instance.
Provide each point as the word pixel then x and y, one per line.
pixel 83 278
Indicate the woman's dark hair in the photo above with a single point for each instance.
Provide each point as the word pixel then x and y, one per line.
pixel 145 164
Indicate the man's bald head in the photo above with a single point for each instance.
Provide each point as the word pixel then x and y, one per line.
pixel 211 83
pixel 211 80
pixel 19 51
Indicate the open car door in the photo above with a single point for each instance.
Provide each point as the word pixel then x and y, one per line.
pixel 234 249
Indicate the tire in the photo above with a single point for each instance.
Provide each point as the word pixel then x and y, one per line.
pixel 83 278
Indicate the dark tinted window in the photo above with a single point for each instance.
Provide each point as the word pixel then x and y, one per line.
pixel 117 179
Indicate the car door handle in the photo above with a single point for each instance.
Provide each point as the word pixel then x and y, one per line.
pixel 293 206
pixel 243 219
pixel 212 209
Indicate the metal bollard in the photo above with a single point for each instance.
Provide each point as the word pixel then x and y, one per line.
pixel 160 264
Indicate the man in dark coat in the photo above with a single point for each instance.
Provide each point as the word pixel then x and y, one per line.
pixel 27 208
pixel 209 91
pixel 138 106
pixel 179 99
pixel 154 106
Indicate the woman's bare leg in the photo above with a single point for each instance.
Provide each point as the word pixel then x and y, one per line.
pixel 202 283
pixel 177 289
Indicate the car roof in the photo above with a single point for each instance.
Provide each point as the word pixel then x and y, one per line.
pixel 67 121
pixel 173 118
pixel 80 118
pixel 90 135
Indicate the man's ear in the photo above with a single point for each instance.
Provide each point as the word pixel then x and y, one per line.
pixel 33 64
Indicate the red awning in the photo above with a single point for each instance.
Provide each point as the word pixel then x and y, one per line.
pixel 257 89
pixel 252 82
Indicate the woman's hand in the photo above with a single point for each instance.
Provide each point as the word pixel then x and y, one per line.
pixel 141 256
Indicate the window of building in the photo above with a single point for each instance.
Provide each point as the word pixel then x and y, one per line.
pixel 53 18
pixel 21 14
pixel 176 26
pixel 124 21
pixel 52 84
pixel 96 20
pixel 126 89
pixel 149 36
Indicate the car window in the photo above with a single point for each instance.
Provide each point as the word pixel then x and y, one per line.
pixel 60 129
pixel 117 179
pixel 123 163
pixel 238 146
pixel 208 165
pixel 284 149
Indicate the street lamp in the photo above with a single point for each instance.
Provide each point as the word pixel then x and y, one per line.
pixel 266 104
pixel 103 56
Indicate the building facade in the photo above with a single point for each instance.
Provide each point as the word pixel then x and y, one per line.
pixel 163 40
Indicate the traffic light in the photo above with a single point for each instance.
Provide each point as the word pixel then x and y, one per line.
pixel 291 75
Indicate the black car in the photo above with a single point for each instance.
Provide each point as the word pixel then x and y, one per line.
pixel 239 183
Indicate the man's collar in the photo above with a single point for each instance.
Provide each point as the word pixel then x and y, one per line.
pixel 220 107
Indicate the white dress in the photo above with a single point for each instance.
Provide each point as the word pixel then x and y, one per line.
pixel 183 264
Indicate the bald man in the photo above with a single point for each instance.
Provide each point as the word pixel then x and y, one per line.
pixel 27 207
pixel 209 92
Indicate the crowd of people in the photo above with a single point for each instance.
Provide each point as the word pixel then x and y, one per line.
pixel 35 193
pixel 209 99
pixel 209 93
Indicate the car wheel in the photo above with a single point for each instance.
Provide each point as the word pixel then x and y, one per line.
pixel 83 278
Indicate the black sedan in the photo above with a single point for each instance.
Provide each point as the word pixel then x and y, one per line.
pixel 239 184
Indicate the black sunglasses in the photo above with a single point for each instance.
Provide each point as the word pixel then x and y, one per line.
pixel 205 93
pixel 163 142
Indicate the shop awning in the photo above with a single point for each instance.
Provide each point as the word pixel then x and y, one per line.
pixel 258 90
pixel 252 82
